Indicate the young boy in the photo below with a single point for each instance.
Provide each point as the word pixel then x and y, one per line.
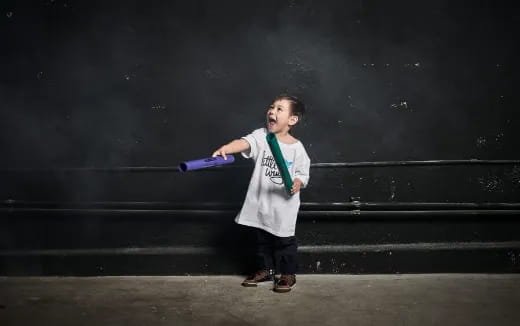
pixel 268 207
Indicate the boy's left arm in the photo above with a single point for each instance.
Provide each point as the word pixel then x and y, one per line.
pixel 301 172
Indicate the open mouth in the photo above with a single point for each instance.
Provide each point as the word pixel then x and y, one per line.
pixel 271 122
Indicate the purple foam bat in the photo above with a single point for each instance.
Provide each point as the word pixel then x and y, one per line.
pixel 205 163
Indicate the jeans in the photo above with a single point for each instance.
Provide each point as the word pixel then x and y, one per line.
pixel 271 248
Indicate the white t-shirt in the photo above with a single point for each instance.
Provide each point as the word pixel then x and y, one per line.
pixel 268 206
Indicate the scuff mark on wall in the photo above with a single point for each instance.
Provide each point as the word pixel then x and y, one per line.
pixel 491 183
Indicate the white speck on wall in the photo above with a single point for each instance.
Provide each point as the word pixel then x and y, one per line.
pixel 481 141
pixel 499 136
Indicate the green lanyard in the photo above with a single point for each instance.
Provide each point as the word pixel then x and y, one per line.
pixel 280 161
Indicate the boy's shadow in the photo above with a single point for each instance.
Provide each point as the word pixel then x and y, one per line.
pixel 234 250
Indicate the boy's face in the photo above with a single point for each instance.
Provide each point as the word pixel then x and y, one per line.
pixel 279 117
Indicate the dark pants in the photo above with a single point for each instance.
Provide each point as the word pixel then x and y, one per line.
pixel 271 248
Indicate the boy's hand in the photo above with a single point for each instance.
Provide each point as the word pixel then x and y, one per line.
pixel 221 151
pixel 297 183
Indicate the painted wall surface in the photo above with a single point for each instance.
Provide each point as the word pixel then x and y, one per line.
pixel 91 90
pixel 134 83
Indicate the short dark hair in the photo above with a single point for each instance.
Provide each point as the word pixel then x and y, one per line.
pixel 297 106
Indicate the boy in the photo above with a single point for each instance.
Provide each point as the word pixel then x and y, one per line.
pixel 267 207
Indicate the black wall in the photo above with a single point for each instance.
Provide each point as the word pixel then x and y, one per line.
pixel 134 83
pixel 106 84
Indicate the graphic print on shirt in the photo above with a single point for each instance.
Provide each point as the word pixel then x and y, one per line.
pixel 271 169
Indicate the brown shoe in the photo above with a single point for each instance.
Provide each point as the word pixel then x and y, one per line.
pixel 285 283
pixel 258 278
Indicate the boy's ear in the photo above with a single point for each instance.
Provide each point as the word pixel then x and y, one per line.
pixel 293 119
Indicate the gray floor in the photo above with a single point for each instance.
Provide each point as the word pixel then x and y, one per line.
pixel 423 299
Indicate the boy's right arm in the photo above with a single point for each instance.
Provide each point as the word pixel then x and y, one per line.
pixel 236 146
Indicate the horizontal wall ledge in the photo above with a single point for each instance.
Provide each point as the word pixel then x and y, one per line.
pixel 132 169
pixel 397 214
pixel 186 250
pixel 304 206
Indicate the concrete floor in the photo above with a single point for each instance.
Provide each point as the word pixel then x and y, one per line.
pixel 422 299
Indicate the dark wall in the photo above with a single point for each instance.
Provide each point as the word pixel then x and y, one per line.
pixel 90 90
pixel 138 83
